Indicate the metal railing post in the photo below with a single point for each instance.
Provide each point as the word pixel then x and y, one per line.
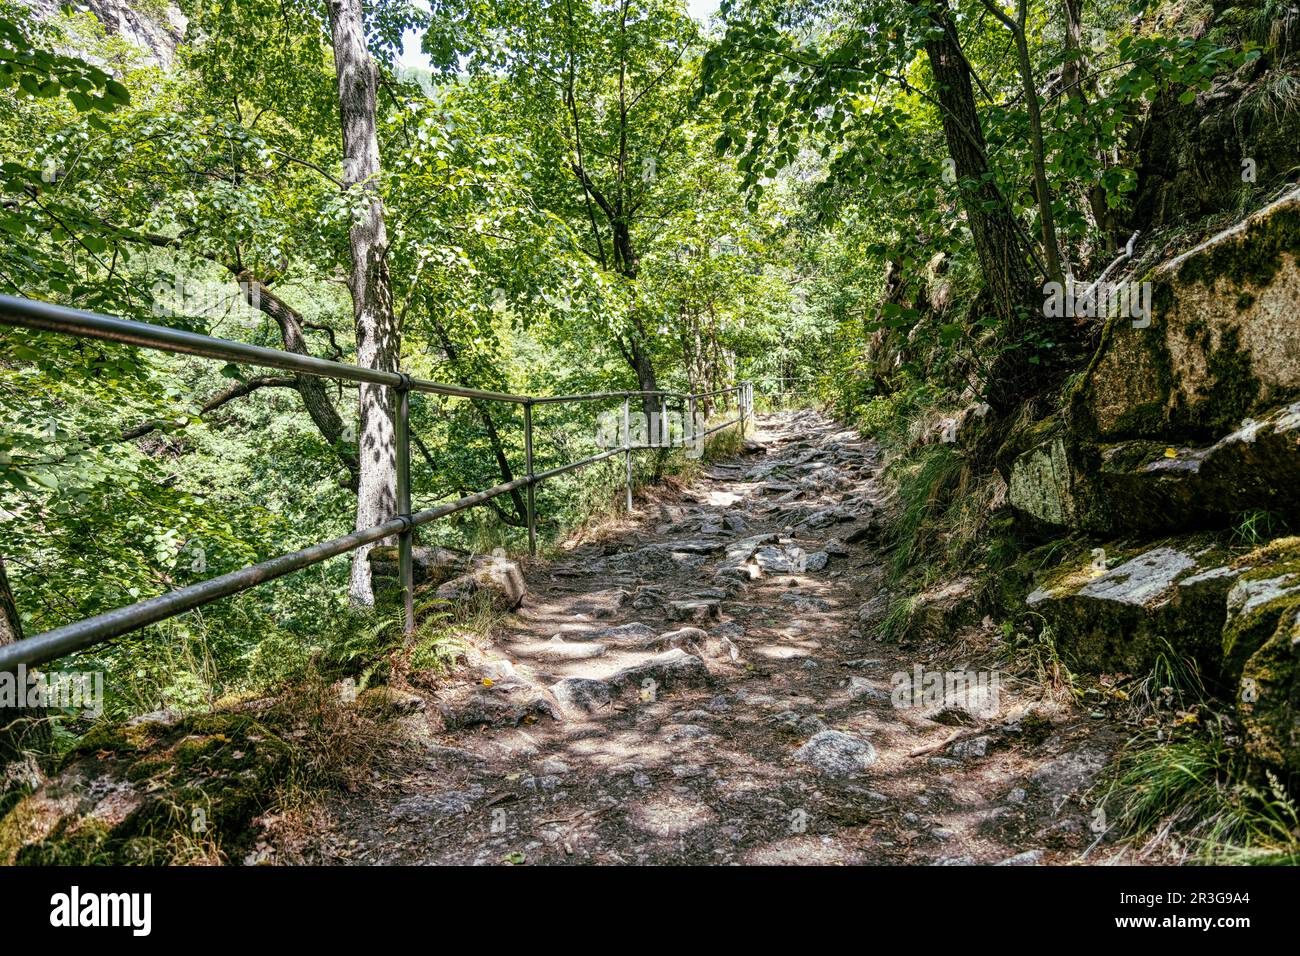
pixel 690 416
pixel 627 447
pixel 405 567
pixel 740 403
pixel 528 467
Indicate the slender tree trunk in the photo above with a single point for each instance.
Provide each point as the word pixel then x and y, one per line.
pixel 1072 77
pixel 1003 257
pixel 1047 217
pixel 377 330
pixel 646 380
pixel 24 732
pixel 1037 153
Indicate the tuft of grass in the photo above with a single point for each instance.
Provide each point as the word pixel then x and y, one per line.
pixel 335 743
pixel 925 482
pixel 1257 526
pixel 1192 801
pixel 1041 657
pixel 1173 683
pixel 893 626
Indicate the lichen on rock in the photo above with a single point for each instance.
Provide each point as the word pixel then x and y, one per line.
pixel 1222 343
pixel 1120 619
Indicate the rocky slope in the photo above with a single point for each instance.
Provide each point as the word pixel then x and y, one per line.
pixel 1181 428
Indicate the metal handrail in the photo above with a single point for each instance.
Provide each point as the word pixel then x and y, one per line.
pixel 59 641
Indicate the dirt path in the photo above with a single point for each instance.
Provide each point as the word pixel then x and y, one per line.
pixel 654 702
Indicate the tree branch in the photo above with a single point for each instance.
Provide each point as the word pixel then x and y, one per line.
pixel 221 398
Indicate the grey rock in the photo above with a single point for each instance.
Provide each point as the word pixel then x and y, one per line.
pixel 634 632
pixel 448 803
pixel 943 763
pixel 685 733
pixel 1068 773
pixel 697 611
pixel 861 687
pixel 500 578
pixel 833 753
pixel 582 694
pixel 1028 858
pixel 805 603
pixel 673 668
pixel 781 560
pixel 971 747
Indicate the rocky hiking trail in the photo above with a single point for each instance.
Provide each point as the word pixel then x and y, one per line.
pixel 706 686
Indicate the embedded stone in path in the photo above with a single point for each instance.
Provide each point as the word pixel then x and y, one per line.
pixel 698 611
pixel 834 753
pixel 635 631
pixel 682 637
pixel 558 649
pixel 673 668
pixel 787 560
pixel 743 550
pixel 582 694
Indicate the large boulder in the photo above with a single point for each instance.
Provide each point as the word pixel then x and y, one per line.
pixel 431 566
pixel 1189 416
pixel 1237 618
pixel 1147 484
pixel 498 578
pixel 1042 483
pixel 1261 644
pixel 1169 598
pixel 1221 344
pixel 1153 485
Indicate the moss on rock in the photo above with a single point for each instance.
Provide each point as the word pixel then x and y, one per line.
pixel 132 793
pixel 1117 609
pixel 1222 343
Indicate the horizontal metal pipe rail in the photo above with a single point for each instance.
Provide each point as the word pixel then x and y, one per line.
pixel 60 641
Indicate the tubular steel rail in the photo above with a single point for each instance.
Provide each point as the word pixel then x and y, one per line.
pixel 60 641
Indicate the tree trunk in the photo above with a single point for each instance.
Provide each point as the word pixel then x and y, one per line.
pixel 1047 219
pixel 639 359
pixel 377 330
pixel 315 398
pixel 1072 77
pixel 1037 154
pixel 1002 255
pixel 24 732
